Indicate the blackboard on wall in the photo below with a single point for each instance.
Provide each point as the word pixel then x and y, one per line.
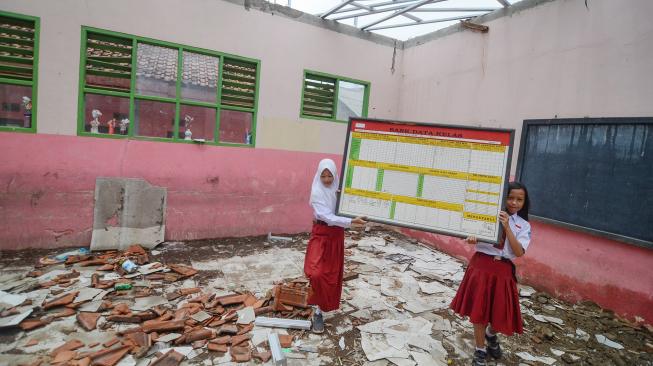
pixel 593 174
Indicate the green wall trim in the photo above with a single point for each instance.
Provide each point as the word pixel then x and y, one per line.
pixel 393 206
pixel 420 185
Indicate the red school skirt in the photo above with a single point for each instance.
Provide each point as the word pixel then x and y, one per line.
pixel 324 264
pixel 488 294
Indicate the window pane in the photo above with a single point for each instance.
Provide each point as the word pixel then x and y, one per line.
pixel 108 62
pixel 106 114
pixel 235 127
pixel 318 96
pixel 350 100
pixel 16 109
pixel 200 77
pixel 200 121
pixel 238 83
pixel 17 44
pixel 153 119
pixel 156 74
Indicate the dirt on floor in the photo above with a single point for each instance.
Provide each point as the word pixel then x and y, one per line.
pixel 556 332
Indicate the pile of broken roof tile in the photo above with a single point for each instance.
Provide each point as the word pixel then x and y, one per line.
pixel 156 323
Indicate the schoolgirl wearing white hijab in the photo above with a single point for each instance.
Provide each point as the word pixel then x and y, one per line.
pixel 325 254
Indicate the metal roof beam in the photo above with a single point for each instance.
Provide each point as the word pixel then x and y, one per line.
pixel 376 6
pixel 335 8
pixel 409 16
pixel 375 11
pixel 359 6
pixel 436 10
pixel 400 12
pixel 424 22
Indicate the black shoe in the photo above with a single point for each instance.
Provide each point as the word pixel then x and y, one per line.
pixel 493 347
pixel 479 358
pixel 318 323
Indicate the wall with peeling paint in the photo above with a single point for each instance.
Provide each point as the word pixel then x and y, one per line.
pixel 212 191
pixel 557 59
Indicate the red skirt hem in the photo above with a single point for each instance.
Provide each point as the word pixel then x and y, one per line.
pixel 324 265
pixel 488 294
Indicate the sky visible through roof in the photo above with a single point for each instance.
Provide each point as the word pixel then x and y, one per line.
pixel 317 7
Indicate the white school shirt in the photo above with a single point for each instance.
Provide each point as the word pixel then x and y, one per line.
pixel 522 230
pixel 324 213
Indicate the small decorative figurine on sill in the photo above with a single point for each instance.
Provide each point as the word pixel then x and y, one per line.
pixel 27 103
pixel 112 126
pixel 248 136
pixel 124 123
pixel 188 120
pixel 95 122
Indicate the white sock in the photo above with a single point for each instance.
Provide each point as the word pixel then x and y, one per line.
pixel 481 349
pixel 489 333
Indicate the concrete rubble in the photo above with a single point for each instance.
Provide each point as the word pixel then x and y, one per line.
pixel 220 302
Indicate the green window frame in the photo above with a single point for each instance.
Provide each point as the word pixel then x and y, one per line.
pixel 114 57
pixel 320 99
pixel 19 59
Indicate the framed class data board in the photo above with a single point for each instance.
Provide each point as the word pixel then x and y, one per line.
pixel 438 178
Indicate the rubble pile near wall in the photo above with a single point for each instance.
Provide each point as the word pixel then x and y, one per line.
pixel 143 313
pixel 221 302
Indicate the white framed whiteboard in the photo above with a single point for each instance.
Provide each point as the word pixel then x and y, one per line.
pixel 438 178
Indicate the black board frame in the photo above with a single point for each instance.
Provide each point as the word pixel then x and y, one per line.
pixel 579 121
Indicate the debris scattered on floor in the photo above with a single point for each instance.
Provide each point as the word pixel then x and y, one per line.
pixel 218 302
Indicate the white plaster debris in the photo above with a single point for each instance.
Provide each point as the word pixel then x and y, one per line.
pixel 426 359
pixel 88 293
pixel 401 296
pixel 201 316
pixel 582 335
pixel 528 357
pixel 548 319
pixel 371 241
pixel 434 287
pixel 526 291
pixel 607 342
pixel 145 303
pixel 376 347
pixel 168 337
pixel 246 315
pixel 8 300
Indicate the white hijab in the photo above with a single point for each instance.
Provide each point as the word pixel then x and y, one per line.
pixel 319 192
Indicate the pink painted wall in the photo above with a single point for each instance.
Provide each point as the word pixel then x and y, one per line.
pixel 48 183
pixel 576 266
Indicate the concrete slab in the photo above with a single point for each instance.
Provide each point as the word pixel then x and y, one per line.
pixel 128 211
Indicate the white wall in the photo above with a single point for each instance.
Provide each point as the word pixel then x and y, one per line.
pixel 555 59
pixel 285 47
pixel 558 58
